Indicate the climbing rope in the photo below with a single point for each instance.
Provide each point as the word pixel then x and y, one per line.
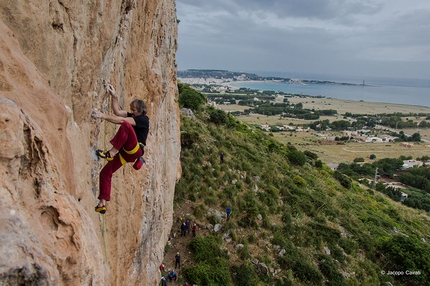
pixel 104 238
pixel 103 231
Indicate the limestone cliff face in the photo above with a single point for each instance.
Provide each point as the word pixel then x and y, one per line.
pixel 54 59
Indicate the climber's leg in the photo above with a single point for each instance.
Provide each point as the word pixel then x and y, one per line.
pixel 106 178
pixel 125 137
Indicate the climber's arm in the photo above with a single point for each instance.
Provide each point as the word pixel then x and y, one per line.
pixel 113 118
pixel 118 119
pixel 116 109
pixel 115 105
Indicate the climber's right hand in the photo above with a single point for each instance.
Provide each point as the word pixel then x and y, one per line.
pixel 111 90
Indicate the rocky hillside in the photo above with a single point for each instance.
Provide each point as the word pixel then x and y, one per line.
pixel 54 60
pixel 293 220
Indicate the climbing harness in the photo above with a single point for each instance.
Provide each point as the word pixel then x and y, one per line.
pixel 139 161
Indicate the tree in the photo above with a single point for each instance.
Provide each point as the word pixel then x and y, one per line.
pixel 296 157
pixel 423 124
pixel 416 137
pixel 218 116
pixel 424 158
pixel 190 98
pixel 343 180
pixel 340 125
pixel 311 155
pixel 372 157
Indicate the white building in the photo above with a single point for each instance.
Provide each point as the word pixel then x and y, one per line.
pixel 411 163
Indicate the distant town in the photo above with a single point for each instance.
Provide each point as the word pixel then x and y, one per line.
pixel 222 77
pixel 364 128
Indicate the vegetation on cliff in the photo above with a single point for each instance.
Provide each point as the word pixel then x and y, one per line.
pixel 294 220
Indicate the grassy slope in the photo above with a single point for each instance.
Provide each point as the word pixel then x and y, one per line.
pixel 303 209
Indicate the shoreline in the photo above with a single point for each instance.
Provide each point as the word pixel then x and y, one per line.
pixel 315 97
pixel 297 81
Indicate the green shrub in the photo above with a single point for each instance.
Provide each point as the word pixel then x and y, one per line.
pixel 311 155
pixel 348 245
pixel 299 181
pixel 188 138
pixel 166 248
pixel 343 180
pixel 211 200
pixel 297 157
pixel 199 211
pixel 218 116
pixel 323 231
pixel 216 173
pixel 192 99
pixel 180 190
pixel 206 247
pixel 329 270
pixel 287 220
pixel 244 253
pixel 213 219
pixel 212 272
pixel 252 239
pixel 192 197
pixel 233 235
pixel 266 223
pixel 244 274
pixel 405 253
pixel 230 192
pixel 307 272
pixel 337 253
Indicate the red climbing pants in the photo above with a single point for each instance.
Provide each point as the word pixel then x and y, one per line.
pixel 124 140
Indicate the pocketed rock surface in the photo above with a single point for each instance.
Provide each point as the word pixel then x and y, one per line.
pixel 55 58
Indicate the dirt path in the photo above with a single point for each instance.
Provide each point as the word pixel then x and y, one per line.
pixel 179 243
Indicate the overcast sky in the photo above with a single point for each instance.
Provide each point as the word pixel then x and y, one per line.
pixel 358 38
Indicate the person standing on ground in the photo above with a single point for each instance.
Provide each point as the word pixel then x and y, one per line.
pixel 172 275
pixel 228 212
pixel 127 144
pixel 183 229
pixel 177 261
pixel 194 229
pixel 188 225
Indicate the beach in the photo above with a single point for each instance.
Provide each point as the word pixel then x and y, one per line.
pixel 398 92
pixel 341 105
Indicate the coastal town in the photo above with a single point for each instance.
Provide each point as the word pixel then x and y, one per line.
pixel 222 79
pixel 319 133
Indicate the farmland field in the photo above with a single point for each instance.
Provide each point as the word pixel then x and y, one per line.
pixel 334 153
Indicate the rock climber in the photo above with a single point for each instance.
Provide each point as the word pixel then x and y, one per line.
pixel 127 144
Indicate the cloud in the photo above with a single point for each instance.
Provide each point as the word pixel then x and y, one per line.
pixel 304 35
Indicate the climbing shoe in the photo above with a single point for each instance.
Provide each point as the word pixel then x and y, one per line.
pixel 101 209
pixel 104 155
pixel 139 163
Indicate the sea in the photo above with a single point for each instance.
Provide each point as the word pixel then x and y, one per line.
pixel 387 90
